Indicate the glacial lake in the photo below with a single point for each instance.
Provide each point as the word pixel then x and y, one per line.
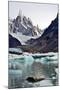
pixel 21 67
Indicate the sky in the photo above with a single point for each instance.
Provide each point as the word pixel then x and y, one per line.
pixel 41 14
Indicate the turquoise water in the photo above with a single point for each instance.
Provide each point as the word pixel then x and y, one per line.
pixel 21 67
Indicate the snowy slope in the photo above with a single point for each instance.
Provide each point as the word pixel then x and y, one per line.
pixel 22 38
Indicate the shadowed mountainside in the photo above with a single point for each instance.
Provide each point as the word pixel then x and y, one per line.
pixel 48 42
pixel 13 42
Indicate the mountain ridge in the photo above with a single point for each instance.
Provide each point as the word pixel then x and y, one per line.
pixel 24 25
pixel 48 42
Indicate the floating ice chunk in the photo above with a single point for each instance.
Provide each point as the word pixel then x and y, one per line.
pixel 28 59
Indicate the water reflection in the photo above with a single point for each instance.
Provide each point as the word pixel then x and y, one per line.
pixel 37 66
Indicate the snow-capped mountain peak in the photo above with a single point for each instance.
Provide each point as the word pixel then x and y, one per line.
pixel 23 25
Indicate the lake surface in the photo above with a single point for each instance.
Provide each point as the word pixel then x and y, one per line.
pixel 37 65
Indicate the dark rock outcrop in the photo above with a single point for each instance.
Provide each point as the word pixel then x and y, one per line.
pixel 31 79
pixel 13 42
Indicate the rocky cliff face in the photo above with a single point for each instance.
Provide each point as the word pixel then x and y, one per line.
pixel 23 25
pixel 48 42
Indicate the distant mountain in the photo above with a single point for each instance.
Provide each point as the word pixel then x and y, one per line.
pixel 23 25
pixel 13 42
pixel 48 42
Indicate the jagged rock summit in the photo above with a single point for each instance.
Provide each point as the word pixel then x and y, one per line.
pixel 24 25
